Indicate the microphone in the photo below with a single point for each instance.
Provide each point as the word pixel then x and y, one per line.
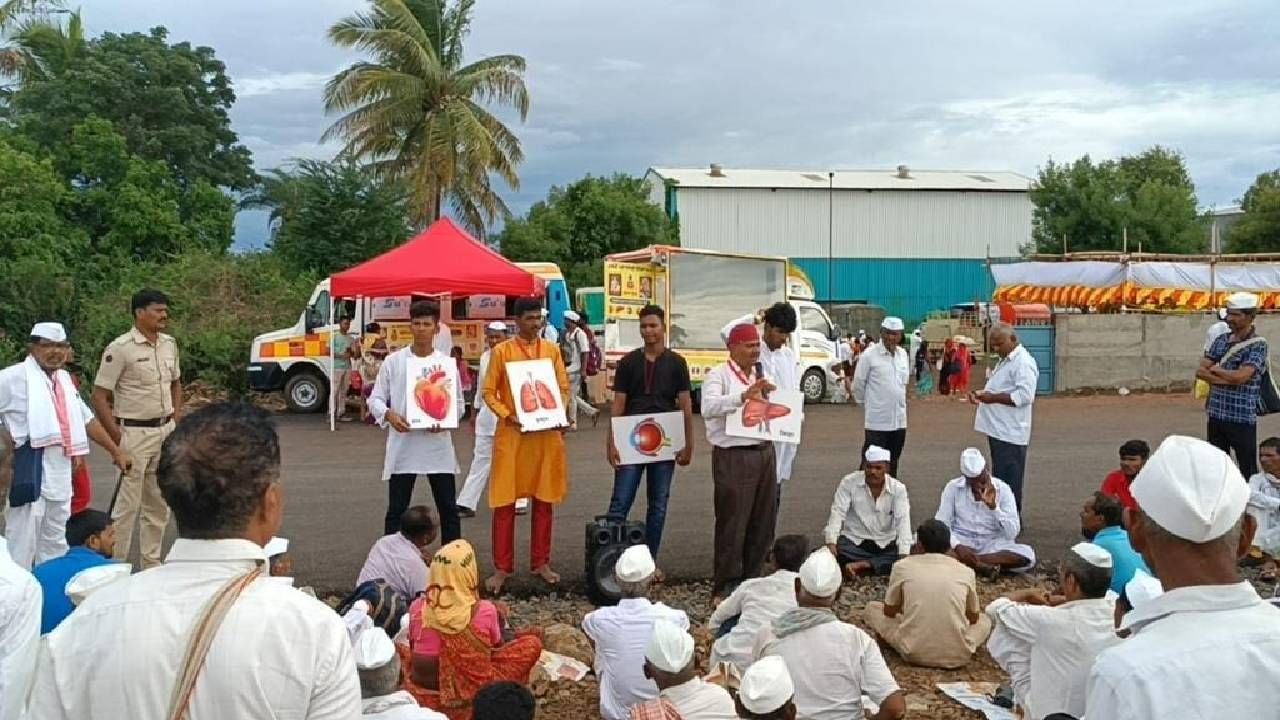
pixel 760 374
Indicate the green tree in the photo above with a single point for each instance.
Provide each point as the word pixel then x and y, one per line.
pixel 1259 230
pixel 417 114
pixel 169 102
pixel 576 226
pixel 327 216
pixel 1092 205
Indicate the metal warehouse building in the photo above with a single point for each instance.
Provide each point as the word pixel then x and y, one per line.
pixel 910 240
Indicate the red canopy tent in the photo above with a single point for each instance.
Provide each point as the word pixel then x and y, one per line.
pixel 441 260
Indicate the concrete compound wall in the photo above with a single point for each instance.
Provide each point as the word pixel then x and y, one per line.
pixel 1138 352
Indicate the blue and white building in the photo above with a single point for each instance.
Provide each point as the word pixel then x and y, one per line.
pixel 910 240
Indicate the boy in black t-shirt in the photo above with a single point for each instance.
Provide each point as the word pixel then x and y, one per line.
pixel 649 380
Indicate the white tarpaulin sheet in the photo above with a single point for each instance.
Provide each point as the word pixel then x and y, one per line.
pixel 1059 274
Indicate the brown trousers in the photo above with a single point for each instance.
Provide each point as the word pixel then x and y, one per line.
pixel 746 506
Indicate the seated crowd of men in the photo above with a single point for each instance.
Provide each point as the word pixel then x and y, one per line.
pixel 415 640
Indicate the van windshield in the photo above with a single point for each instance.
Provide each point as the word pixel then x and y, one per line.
pixel 707 291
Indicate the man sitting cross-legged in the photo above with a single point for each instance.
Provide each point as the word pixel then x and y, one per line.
pixel 756 602
pixel 1048 644
pixel 981 512
pixel 869 526
pixel 931 614
pixel 832 663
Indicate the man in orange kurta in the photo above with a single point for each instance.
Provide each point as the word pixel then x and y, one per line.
pixel 525 464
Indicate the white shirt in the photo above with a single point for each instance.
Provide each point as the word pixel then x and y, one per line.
pixel 1216 329
pixel 756 602
pixel 620 634
pixel 843 352
pixel 417 452
pixel 578 339
pixel 880 386
pixel 278 654
pixel 56 482
pixel 971 521
pixel 1196 653
pixel 700 700
pixel 20 607
pixel 1264 504
pixel 549 332
pixel 916 340
pixel 486 421
pixel 1062 642
pixel 855 514
pixel 721 397
pixel 832 666
pixel 443 340
pixel 783 370
pixel 1016 375
pixel 399 705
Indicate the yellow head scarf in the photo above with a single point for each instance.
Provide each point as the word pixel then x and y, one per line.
pixel 452 590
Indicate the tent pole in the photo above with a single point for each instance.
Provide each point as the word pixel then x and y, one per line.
pixel 333 413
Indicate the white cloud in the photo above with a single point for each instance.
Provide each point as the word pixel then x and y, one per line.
pixel 280 82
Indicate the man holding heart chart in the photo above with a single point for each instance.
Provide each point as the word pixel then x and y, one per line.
pixel 413 452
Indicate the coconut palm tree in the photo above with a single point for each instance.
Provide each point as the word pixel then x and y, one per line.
pixel 28 39
pixel 415 113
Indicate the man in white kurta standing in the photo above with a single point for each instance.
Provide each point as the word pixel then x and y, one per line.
pixel 780 365
pixel 1004 407
pixel 50 425
pixel 880 387
pixel 486 424
pixel 411 452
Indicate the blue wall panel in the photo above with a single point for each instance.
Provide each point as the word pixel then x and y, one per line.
pixel 909 288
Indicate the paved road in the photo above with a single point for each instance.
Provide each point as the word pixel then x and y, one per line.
pixel 335 499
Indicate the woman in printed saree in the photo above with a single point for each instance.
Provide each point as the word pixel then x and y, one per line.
pixel 456 640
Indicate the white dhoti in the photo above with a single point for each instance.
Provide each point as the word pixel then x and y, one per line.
pixel 992 545
pixel 1014 657
pixel 478 474
pixel 37 531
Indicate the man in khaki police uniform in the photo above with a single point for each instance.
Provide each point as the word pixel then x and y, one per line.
pixel 137 396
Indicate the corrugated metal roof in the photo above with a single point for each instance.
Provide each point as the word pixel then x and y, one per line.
pixel 887 179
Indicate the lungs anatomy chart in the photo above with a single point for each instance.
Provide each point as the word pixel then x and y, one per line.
pixel 779 417
pixel 537 395
pixel 433 387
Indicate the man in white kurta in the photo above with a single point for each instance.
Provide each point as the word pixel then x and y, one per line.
pixel 1264 500
pixel 780 365
pixel 276 653
pixel 486 426
pixel 869 526
pixel 1049 650
pixel 1209 647
pixel 880 387
pixel 50 426
pixel 20 603
pixel 980 511
pixel 1004 407
pixel 412 452
pixel 756 602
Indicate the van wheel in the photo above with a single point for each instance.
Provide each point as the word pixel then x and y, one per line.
pixel 814 386
pixel 305 393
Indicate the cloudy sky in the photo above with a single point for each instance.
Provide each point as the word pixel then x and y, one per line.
pixel 814 84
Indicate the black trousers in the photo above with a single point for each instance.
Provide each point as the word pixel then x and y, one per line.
pixel 1009 463
pixel 1240 437
pixel 443 491
pixel 891 440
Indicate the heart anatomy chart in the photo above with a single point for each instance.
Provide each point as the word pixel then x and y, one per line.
pixel 432 386
pixel 642 439
pixel 777 417
pixel 537 395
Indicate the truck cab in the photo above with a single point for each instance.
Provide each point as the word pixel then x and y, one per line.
pixel 296 359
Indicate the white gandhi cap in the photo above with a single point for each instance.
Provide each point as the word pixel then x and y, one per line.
pixel 670 648
pixel 1191 488
pixel 876 454
pixel 820 574
pixel 497 326
pixel 86 582
pixel 374 649
pixel 892 324
pixel 1092 554
pixel 766 686
pixel 972 463
pixel 571 315
pixel 635 564
pixel 51 331
pixel 1242 301
pixel 1142 589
